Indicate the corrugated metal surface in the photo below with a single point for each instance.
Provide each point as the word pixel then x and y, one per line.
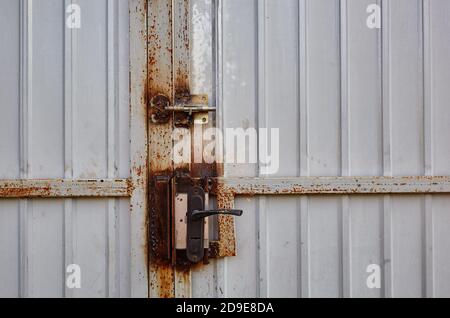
pixel 349 101
pixel 64 114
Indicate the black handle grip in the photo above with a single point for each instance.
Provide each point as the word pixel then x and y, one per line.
pixel 197 215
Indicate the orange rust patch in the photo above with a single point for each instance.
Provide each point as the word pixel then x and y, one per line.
pixel 9 191
pixel 166 279
pixel 227 238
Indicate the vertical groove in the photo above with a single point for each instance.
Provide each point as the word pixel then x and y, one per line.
pixel 387 158
pixel 305 288
pixel 429 151
pixel 25 126
pixel 68 148
pixel 345 229
pixel 112 141
pixel 382 199
pixel 220 265
pixel 299 154
pixel 139 148
pixel 181 43
pixel 262 120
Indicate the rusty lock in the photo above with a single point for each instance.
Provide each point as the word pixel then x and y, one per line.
pixel 196 225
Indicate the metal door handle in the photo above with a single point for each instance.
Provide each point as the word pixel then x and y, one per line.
pixel 196 225
pixel 197 215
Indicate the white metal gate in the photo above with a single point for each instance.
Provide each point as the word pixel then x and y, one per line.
pixel 358 110
pixel 363 116
pixel 65 155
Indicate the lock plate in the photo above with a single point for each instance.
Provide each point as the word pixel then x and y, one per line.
pixel 181 208
pixel 190 202
pixel 195 227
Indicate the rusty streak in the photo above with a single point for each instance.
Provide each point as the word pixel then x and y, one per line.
pixel 160 83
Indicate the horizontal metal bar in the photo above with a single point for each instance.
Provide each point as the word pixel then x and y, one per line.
pixel 64 188
pixel 191 108
pixel 335 185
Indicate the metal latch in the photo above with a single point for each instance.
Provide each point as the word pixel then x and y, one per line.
pixel 196 214
pixel 187 111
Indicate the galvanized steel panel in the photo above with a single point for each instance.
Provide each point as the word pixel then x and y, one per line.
pixel 349 101
pixel 64 114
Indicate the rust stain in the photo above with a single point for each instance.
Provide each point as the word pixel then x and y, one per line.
pixel 227 238
pixel 54 188
pixel 340 185
pixel 12 191
pixel 160 74
pixel 168 84
pixel 166 280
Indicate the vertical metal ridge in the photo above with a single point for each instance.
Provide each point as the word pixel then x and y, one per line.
pixel 428 236
pixel 304 265
pixel 299 154
pixel 71 214
pixel 221 270
pixel 26 46
pixel 383 202
pixel 160 17
pixel 386 90
pixel 305 248
pixel 387 152
pixel 220 117
pixel 262 120
pixel 345 108
pixel 220 266
pixel 181 61
pixel 345 239
pixel 181 47
pixel 388 291
pixel 111 282
pixel 68 146
pixel 346 255
pixel 138 39
pixel 26 52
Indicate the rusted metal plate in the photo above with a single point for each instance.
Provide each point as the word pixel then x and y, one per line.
pixel 181 60
pixel 169 86
pixel 64 188
pixel 160 83
pixel 226 245
pixel 139 148
pixel 335 185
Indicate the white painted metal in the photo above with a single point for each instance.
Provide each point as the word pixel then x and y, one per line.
pixel 349 101
pixel 64 114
